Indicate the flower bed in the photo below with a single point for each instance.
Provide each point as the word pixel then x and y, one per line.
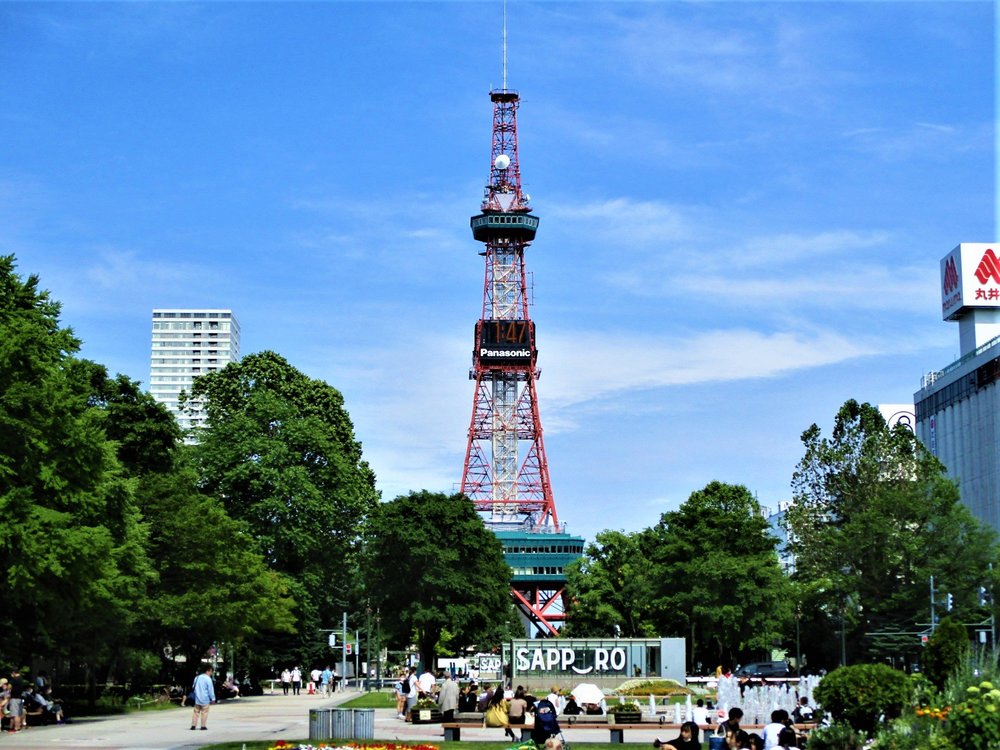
pixel 282 745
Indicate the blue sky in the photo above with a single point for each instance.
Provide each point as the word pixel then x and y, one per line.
pixel 742 204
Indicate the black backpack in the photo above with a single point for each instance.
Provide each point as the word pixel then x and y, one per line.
pixel 545 716
pixel 405 689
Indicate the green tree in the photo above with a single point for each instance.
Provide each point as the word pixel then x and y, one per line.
pixel 72 548
pixel 717 579
pixel 213 585
pixel 874 517
pixel 433 566
pixel 610 588
pixel 946 649
pixel 279 452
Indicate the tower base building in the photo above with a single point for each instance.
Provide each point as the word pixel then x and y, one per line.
pixel 958 408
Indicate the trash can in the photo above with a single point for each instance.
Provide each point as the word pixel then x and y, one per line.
pixel 320 724
pixel 343 723
pixel 364 724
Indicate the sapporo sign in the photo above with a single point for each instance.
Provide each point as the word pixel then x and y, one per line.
pixel 580 660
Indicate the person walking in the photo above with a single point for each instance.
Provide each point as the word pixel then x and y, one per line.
pixel 204 697
pixel 286 680
pixel 296 680
pixel 325 680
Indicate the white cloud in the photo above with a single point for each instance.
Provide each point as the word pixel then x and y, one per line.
pixel 586 366
pixel 927 140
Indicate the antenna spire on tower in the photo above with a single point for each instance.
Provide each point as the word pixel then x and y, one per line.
pixel 505 45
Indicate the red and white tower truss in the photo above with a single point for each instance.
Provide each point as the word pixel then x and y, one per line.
pixel 506 472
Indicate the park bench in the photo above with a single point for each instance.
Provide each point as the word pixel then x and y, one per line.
pixel 453 729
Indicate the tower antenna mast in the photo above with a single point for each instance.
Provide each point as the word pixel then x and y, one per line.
pixel 505 44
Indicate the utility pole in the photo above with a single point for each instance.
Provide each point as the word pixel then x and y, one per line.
pixel 933 616
pixel 368 648
pixel 343 653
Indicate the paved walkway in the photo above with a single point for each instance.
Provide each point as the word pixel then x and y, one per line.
pixel 266 717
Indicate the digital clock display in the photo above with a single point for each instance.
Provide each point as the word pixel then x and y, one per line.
pixel 505 342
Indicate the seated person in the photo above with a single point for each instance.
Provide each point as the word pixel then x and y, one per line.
pixel 688 739
pixel 803 713
pixel 592 709
pixel 468 699
pixel 484 699
pixel 230 687
pixel 571 708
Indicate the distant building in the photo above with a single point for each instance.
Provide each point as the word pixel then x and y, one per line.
pixel 186 344
pixel 958 408
pixel 776 521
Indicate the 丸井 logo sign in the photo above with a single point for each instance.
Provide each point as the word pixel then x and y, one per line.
pixel 989 268
pixel 950 276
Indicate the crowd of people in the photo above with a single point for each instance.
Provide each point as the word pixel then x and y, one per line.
pixel 321 682
pixel 780 734
pixel 507 708
pixel 24 703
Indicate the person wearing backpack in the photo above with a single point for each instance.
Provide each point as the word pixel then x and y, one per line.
pixel 412 688
pixel 546 722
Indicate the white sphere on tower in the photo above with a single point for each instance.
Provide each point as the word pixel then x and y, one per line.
pixel 502 161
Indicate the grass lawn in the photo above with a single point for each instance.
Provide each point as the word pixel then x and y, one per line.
pixel 383 743
pixel 371 700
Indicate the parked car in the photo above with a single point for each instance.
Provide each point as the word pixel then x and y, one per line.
pixel 764 669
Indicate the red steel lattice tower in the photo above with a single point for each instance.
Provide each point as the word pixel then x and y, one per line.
pixel 506 472
pixel 509 485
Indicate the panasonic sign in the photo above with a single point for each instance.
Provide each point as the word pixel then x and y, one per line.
pixel 504 353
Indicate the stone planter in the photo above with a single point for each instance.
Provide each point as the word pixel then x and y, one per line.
pixel 425 716
pixel 625 717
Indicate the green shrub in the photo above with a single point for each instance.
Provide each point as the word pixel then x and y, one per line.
pixel 946 649
pixel 860 694
pixel 975 722
pixel 837 736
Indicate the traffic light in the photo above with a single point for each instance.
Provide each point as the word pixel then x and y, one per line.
pixel 984 597
pixel 949 601
pixel 347 649
pixel 332 640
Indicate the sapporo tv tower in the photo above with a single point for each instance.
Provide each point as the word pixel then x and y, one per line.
pixel 506 473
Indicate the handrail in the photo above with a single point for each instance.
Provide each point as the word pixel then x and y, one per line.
pixel 927 380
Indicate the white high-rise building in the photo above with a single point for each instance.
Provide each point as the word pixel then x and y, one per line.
pixel 186 344
pixel 958 407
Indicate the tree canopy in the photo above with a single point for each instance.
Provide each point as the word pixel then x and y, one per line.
pixel 279 452
pixel 72 558
pixel 874 518
pixel 718 579
pixel 433 567
pixel 610 588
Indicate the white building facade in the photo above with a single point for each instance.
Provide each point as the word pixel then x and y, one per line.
pixel 188 343
pixel 958 408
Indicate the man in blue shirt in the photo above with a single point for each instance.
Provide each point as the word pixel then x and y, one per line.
pixel 204 697
pixel 325 678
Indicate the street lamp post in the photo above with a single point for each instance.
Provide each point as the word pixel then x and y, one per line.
pixel 378 645
pixel 798 646
pixel 368 648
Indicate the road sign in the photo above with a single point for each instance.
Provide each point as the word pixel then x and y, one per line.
pixel 347 649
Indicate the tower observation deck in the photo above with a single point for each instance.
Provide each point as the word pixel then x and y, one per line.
pixel 506 472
